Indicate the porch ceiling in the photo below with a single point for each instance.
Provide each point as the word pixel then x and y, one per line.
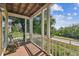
pixel 25 9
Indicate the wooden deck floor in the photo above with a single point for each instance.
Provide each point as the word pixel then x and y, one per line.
pixel 28 49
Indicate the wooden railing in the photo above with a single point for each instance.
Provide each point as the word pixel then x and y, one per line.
pixel 37 40
pixel 57 48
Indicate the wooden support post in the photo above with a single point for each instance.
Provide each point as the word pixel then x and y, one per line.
pixel 48 28
pixel 31 29
pixel 25 30
pixel 42 29
pixel 4 41
pixel 5 14
pixel 0 31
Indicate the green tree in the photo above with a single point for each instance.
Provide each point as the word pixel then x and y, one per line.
pixel 15 28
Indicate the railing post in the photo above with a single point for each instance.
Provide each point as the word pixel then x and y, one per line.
pixel 48 28
pixel 31 29
pixel 25 30
pixel 6 34
pixel 42 29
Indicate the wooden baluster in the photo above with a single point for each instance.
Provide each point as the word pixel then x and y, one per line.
pixel 58 48
pixel 70 48
pixel 51 47
pixel 64 49
pixel 55 48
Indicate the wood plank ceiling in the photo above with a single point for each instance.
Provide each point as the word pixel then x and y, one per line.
pixel 26 9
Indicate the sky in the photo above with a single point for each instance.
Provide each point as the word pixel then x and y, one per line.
pixel 65 14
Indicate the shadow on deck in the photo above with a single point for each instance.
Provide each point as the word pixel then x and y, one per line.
pixel 28 49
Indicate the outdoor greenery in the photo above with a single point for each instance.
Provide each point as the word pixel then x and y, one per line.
pixel 37 24
pixel 70 31
pixel 18 28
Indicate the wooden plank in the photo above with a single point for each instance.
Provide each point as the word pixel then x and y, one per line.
pixel 34 9
pixel 19 4
pixel 21 51
pixel 9 7
pixel 28 49
pixel 17 15
pixel 31 9
pixel 28 8
pixel 21 8
pixel 25 8
pixel 15 7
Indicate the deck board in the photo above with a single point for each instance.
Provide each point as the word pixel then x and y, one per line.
pixel 28 49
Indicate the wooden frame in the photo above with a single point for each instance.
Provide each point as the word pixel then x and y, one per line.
pixel 17 15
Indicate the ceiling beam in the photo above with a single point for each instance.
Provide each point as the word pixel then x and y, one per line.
pixel 17 15
pixel 28 8
pixel 33 9
pixel 22 6
pixel 19 4
pixel 39 11
pixel 26 5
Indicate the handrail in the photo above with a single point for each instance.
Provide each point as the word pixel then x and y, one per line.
pixel 64 49
pixel 57 48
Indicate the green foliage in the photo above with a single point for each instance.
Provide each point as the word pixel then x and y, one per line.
pixel 37 25
pixel 71 31
pixel 15 28
pixel 17 34
pixel 18 27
